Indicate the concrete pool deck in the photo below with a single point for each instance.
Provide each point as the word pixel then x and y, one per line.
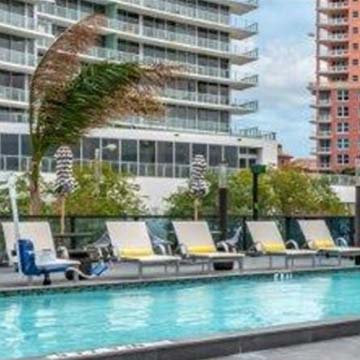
pixel 346 348
pixel 124 272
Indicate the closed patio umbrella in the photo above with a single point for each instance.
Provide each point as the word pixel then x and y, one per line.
pixel 198 185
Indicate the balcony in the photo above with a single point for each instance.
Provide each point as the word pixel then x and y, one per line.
pixel 61 11
pixel 14 57
pixel 328 6
pixel 334 53
pixel 211 100
pixel 15 23
pixel 13 117
pixel 194 14
pixel 14 94
pixel 321 134
pixel 334 37
pixel 333 22
pixel 335 70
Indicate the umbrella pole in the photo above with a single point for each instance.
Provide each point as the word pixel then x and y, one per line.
pixel 62 214
pixel 196 209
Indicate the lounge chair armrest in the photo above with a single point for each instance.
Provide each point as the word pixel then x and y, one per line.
pixel 183 250
pixel 341 242
pixel 226 246
pixel 162 248
pixel 292 244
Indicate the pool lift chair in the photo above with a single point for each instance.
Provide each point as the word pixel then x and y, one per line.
pixel 22 252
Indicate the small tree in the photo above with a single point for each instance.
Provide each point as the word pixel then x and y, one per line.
pixel 116 195
pixel 287 191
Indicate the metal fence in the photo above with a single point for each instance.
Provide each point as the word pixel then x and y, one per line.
pixel 91 228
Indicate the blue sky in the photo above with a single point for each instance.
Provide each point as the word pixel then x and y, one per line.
pixel 286 66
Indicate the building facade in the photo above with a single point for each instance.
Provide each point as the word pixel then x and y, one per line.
pixel 204 37
pixel 337 86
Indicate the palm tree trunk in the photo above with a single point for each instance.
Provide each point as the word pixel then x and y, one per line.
pixel 35 200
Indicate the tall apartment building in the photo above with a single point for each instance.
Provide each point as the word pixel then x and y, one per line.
pixel 203 36
pixel 337 86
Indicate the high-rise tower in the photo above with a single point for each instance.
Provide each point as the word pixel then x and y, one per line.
pixel 337 86
pixel 205 37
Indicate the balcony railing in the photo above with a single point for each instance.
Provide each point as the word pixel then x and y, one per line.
pixel 208 99
pixel 61 11
pixel 18 21
pixel 325 4
pixel 334 37
pixel 13 94
pixel 17 57
pixel 13 117
pixel 194 12
pixel 335 52
pixel 340 21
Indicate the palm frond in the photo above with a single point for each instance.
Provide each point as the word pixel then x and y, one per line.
pixel 62 61
pixel 99 93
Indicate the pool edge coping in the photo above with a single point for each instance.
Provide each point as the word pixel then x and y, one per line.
pixel 136 282
pixel 219 346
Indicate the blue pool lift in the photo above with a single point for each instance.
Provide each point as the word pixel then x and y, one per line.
pixel 47 263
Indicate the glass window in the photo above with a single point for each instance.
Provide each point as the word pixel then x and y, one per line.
pixel 25 145
pixel 129 150
pixel 9 144
pixel 215 155
pixel 147 151
pixel 182 153
pixel 231 156
pixel 89 147
pixel 110 149
pixel 199 149
pixel 243 163
pixel 165 151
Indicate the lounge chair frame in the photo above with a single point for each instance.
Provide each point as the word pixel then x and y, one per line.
pixel 136 235
pixel 262 231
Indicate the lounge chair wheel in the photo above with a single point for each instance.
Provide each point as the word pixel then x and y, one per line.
pixel 47 280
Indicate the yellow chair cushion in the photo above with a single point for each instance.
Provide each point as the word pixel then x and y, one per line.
pixel 273 247
pixel 202 249
pixel 134 253
pixel 323 244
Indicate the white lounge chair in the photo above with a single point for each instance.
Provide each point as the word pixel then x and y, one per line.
pixel 131 243
pixel 318 237
pixel 195 239
pixel 268 241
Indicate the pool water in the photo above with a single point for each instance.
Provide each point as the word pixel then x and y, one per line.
pixel 37 325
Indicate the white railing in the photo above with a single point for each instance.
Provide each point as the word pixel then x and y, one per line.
pixel 61 11
pixel 14 94
pixel 334 5
pixel 13 117
pixel 17 57
pixel 16 20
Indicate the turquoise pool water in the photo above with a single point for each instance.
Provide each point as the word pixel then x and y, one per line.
pixel 36 325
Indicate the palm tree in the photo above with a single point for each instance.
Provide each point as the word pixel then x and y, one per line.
pixel 67 98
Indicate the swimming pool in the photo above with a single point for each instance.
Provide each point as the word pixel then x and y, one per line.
pixel 36 325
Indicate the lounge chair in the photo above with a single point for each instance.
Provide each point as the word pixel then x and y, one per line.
pixel 131 242
pixel 268 241
pixel 196 242
pixel 318 237
pixel 34 253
